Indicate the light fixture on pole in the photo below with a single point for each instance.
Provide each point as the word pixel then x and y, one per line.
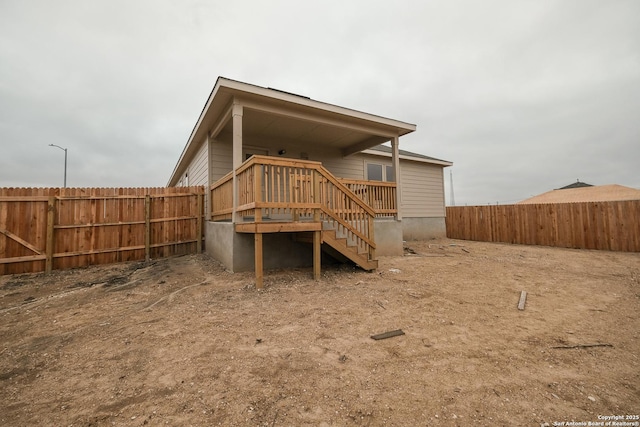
pixel 65 162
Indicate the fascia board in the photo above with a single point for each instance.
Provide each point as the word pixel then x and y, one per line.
pixel 405 157
pixel 403 127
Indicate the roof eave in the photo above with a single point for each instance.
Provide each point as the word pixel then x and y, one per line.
pixel 279 95
pixel 177 170
pixel 402 128
pixel 374 152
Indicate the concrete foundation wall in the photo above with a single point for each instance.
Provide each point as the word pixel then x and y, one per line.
pixel 388 236
pixel 236 251
pixel 423 228
pixel 218 237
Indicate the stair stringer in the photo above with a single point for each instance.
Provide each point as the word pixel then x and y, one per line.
pixel 341 245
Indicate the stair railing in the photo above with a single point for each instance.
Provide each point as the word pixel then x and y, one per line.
pixel 271 188
pixel 346 212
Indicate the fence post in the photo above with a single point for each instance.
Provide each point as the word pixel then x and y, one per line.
pixel 51 209
pixel 147 227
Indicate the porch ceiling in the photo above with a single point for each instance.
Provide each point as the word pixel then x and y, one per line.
pixel 261 124
pixel 273 114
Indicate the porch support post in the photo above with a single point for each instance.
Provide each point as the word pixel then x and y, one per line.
pixel 258 260
pixel 237 154
pixel 395 160
pixel 317 251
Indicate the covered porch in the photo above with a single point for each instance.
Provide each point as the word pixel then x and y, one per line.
pixel 274 195
pixel 281 163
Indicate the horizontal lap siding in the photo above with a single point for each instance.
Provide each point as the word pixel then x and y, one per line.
pixel 351 167
pixel 422 190
pixel 198 173
pixel 422 183
pixel 221 159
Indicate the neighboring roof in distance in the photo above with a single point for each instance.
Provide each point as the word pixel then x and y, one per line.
pixel 576 184
pixel 594 193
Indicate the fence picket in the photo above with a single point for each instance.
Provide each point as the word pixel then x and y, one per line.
pixel 611 226
pixel 85 226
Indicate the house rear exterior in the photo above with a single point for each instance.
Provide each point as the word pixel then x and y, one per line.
pixel 294 170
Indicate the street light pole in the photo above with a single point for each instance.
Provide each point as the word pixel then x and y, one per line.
pixel 65 162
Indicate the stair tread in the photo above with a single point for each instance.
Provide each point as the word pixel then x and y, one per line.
pixel 351 251
pixel 341 244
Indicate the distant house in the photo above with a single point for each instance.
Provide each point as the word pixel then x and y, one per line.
pixel 576 184
pixel 284 170
pixel 582 192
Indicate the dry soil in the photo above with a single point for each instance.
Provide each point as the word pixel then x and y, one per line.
pixel 181 341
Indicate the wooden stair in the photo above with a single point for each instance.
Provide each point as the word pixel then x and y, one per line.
pixel 343 247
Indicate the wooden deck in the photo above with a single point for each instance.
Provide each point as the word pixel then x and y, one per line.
pixel 275 195
pixel 278 227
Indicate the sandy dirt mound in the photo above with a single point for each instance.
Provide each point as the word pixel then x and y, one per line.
pixel 181 341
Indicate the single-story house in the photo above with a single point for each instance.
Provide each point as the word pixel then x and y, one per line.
pixel 582 192
pixel 283 170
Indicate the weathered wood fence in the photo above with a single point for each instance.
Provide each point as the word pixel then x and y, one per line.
pixel 57 228
pixel 613 226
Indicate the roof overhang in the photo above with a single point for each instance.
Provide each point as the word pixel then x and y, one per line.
pixel 274 114
pixel 404 155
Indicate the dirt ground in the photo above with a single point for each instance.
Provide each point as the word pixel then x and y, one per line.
pixel 183 342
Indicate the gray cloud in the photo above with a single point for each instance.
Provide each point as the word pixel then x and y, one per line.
pixel 521 96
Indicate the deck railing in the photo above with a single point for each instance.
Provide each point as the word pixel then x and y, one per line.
pixel 222 198
pixel 298 190
pixel 381 196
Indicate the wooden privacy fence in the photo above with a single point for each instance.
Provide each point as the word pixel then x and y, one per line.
pixel 613 226
pixel 57 228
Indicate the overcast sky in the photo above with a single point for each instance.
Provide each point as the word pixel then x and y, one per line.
pixel 523 96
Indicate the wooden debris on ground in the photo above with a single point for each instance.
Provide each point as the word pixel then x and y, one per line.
pixel 523 300
pixel 564 347
pixel 389 334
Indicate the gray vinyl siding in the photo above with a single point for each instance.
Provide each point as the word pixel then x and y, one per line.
pixel 422 186
pixel 221 159
pixel 422 190
pixel 350 167
pixel 197 170
pixel 422 183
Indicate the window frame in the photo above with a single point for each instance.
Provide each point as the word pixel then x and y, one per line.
pixel 385 171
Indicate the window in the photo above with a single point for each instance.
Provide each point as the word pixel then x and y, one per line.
pixel 374 172
pixel 389 174
pixel 377 172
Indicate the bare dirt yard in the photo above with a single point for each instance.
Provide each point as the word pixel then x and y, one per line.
pixel 181 342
